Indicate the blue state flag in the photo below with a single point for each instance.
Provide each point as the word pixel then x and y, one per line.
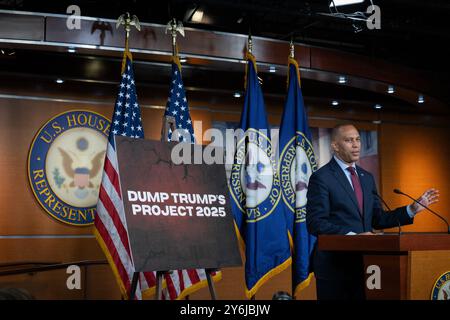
pixel 297 163
pixel 256 192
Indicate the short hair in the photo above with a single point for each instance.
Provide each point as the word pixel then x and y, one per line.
pixel 336 128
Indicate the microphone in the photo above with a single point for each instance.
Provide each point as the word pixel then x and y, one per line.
pixel 436 214
pixel 398 221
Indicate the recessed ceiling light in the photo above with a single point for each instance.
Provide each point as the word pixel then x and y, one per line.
pixel 59 81
pixel 421 98
pixel 391 89
pixel 197 16
pixel 342 79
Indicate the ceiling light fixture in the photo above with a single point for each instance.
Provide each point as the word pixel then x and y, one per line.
pixel 339 3
pixel 197 16
pixel 421 99
pixel 342 79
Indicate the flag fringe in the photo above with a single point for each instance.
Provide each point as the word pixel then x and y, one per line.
pixel 176 60
pixel 291 241
pixel 126 54
pixel 145 294
pixel 297 68
pixel 250 58
pixel 201 284
pixel 252 291
pixel 270 274
pixel 302 285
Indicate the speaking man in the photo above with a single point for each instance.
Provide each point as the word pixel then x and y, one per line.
pixel 342 200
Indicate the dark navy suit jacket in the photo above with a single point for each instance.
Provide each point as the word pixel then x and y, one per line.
pixel 332 208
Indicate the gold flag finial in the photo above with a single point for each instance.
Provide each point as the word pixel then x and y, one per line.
pixel 173 26
pixel 128 21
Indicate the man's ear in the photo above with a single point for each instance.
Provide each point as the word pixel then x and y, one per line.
pixel 333 146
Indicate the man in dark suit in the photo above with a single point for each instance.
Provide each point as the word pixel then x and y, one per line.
pixel 341 200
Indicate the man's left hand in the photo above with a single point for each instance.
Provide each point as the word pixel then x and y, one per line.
pixel 428 198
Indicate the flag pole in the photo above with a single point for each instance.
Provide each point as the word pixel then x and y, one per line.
pixel 292 60
pixel 127 21
pixel 248 56
pixel 169 122
pixel 291 49
pixel 291 57
pixel 249 50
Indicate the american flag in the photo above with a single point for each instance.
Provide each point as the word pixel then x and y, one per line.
pixel 180 283
pixel 177 106
pixel 110 224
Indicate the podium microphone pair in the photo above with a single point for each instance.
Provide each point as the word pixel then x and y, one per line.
pixel 397 191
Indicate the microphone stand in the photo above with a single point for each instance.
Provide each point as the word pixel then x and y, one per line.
pixel 386 205
pixel 436 214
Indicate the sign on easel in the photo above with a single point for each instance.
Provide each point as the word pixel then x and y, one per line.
pixel 178 216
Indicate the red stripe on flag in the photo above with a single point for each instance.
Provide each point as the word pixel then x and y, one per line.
pixel 193 275
pixel 112 211
pixel 180 275
pixel 114 254
pixel 151 279
pixel 171 287
pixel 112 174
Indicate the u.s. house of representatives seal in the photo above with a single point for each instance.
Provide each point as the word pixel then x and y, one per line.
pixel 297 163
pixel 255 185
pixel 65 165
pixel 441 288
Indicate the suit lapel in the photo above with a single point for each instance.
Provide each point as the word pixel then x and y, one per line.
pixel 340 176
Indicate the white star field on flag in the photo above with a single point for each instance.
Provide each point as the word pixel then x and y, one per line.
pixel 177 106
pixel 127 120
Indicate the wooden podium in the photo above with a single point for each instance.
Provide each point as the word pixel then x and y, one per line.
pixel 392 253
